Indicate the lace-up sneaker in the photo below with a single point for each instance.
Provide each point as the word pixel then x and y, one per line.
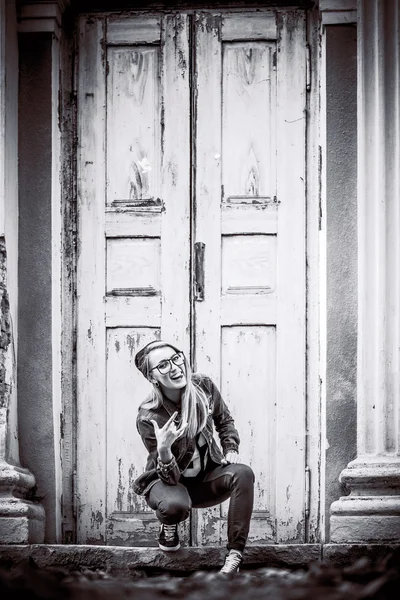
pixel 233 560
pixel 168 539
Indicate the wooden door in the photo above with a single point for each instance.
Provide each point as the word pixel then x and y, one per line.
pixel 133 254
pixel 250 216
pixel 152 169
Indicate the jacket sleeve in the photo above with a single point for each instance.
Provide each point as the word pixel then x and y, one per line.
pixel 168 472
pixel 223 421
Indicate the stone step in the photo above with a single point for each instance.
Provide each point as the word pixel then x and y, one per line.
pixel 118 559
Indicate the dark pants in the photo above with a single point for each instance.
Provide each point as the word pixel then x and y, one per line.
pixel 172 503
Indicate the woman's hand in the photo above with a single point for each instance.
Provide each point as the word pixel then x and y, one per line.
pixel 231 458
pixel 167 435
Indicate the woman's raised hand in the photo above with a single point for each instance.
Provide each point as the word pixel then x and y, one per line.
pixel 231 458
pixel 167 434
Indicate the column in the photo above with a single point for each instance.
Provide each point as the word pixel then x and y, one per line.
pixel 371 512
pixel 43 59
pixel 21 520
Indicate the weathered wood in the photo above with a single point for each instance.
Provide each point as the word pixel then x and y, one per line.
pixel 316 304
pixel 207 524
pixel 252 319
pixel 91 351
pixel 138 311
pixel 248 218
pixel 133 263
pixel 248 263
pixel 248 118
pixel 144 30
pixel 131 224
pixel 135 254
pixel 235 309
pixel 133 123
pixel 140 251
pixel 250 26
pixel 291 351
pixel 125 386
pixel 244 350
pixel 175 238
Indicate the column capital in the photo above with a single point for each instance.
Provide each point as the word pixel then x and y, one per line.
pixel 41 16
pixel 338 12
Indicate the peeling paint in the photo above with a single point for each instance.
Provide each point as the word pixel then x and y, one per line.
pixel 96 519
pixel 121 487
pixel 211 23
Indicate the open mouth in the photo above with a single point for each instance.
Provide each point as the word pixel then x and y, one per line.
pixel 176 377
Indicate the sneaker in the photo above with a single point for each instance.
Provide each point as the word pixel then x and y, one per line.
pixel 233 560
pixel 168 539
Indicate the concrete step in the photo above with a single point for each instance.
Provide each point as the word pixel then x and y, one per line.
pixel 117 559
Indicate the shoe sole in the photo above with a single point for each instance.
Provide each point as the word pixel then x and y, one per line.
pixel 229 572
pixel 169 549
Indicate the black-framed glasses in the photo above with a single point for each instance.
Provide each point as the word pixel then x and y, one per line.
pixel 165 366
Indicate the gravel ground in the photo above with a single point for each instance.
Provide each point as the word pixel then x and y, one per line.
pixel 361 580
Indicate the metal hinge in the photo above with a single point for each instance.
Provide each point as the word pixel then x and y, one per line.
pixel 308 67
pixel 307 489
pixel 199 249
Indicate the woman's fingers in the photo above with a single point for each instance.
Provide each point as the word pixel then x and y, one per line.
pixel 181 430
pixel 155 425
pixel 231 458
pixel 170 420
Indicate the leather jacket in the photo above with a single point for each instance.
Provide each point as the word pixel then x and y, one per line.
pixel 183 448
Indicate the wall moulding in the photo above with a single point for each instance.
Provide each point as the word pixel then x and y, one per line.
pixel 40 17
pixel 338 12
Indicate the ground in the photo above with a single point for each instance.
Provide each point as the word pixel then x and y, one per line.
pixel 361 580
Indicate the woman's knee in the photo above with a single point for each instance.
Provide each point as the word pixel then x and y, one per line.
pixel 174 508
pixel 244 474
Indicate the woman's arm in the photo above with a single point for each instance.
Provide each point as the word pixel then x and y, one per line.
pixel 167 470
pixel 224 423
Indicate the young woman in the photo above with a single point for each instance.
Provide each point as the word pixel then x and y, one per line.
pixel 185 467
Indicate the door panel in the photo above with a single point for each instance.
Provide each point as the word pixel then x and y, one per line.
pixel 250 214
pixel 133 266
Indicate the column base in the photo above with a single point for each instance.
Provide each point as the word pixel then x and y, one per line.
pixel 21 521
pixel 371 513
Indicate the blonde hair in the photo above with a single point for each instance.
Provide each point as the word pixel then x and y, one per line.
pixel 194 402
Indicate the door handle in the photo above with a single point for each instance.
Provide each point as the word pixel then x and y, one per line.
pixel 199 248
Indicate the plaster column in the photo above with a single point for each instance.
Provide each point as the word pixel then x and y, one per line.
pixel 371 513
pixel 41 30
pixel 21 520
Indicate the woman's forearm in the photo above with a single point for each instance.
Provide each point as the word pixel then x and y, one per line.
pixel 165 454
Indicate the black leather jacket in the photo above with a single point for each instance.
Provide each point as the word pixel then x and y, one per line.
pixel 183 448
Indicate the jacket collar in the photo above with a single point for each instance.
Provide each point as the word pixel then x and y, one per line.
pixel 170 406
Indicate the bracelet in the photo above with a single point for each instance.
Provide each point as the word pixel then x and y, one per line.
pixel 165 467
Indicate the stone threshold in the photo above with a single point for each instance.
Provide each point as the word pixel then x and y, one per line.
pixel 118 559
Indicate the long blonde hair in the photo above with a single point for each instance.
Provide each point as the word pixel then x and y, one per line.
pixel 194 402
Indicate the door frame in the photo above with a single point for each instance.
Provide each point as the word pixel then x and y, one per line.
pixel 314 526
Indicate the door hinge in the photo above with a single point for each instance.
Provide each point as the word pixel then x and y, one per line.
pixel 199 249
pixel 308 67
pixel 307 489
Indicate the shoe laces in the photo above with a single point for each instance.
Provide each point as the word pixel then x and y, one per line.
pixel 232 562
pixel 169 531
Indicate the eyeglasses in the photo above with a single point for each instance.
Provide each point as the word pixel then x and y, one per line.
pixel 165 366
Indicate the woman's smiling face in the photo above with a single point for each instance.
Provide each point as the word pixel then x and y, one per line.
pixel 163 358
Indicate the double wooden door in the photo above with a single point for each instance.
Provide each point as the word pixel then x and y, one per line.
pixel 191 228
